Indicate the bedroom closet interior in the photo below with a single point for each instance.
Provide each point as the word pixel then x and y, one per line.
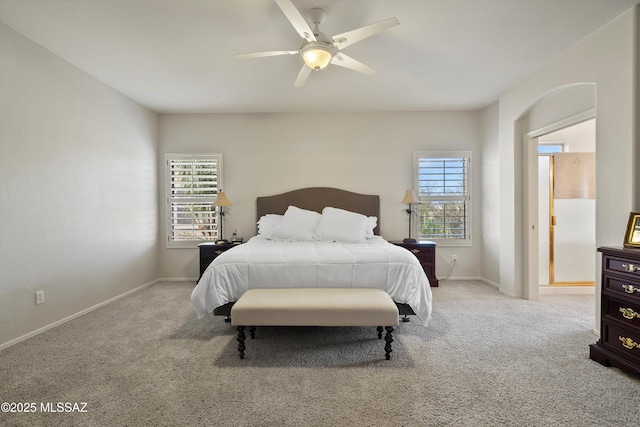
pixel 566 206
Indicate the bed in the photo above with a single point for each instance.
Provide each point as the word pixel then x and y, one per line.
pixel 285 253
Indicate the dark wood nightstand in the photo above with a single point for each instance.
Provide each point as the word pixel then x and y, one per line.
pixel 426 254
pixel 209 251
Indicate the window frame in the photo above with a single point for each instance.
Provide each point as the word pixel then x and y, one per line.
pixel 563 148
pixel 169 199
pixel 465 154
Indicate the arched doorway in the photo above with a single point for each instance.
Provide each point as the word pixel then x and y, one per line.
pixel 563 107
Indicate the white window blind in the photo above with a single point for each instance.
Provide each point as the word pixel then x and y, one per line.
pixel 193 182
pixel 442 181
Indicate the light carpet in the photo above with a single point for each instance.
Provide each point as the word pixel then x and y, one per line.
pixel 484 360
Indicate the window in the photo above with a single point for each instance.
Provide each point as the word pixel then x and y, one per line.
pixel 442 183
pixel 550 148
pixel 193 182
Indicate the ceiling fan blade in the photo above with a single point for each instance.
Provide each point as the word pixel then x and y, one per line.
pixel 263 54
pixel 342 60
pixel 302 76
pixel 350 37
pixel 296 20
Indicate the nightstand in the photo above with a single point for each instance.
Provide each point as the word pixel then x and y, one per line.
pixel 209 251
pixel 426 254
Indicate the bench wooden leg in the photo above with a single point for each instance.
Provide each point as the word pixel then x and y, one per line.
pixel 241 338
pixel 252 331
pixel 380 329
pixel 389 339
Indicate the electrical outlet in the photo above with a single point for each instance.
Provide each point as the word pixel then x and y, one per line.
pixel 39 297
pixel 454 258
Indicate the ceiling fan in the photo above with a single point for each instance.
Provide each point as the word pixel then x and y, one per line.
pixel 318 50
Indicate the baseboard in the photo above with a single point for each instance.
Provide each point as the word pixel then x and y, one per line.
pixel 567 290
pixel 509 294
pixel 76 315
pixel 471 278
pixel 486 281
pixel 466 278
pixel 178 279
pixel 490 283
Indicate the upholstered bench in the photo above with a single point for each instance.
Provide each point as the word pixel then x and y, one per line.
pixel 315 307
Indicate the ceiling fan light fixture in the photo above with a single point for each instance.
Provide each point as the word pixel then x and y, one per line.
pixel 316 56
pixel 318 50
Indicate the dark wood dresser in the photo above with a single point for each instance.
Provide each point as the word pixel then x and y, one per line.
pixel 426 254
pixel 209 251
pixel 619 343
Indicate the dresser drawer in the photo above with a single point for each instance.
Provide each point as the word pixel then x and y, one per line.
pixel 618 286
pixel 622 341
pixel 421 250
pixel 623 311
pixel 425 252
pixel 209 251
pixel 424 255
pixel 628 268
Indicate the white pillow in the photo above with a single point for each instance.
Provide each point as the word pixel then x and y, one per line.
pixel 338 225
pixel 372 222
pixel 267 223
pixel 297 225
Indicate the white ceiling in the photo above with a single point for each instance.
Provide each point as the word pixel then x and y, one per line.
pixel 177 55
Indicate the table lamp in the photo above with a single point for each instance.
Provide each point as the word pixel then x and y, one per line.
pixel 410 199
pixel 221 202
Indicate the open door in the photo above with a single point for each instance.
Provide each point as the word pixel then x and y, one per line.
pixel 567 206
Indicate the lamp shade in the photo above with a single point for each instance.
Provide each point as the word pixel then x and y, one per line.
pixel 222 200
pixel 409 197
pixel 316 56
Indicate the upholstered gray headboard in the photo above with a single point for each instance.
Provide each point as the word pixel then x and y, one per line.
pixel 317 198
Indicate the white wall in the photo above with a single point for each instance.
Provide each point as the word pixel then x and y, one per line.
pixel 369 153
pixel 73 224
pixel 606 58
pixel 78 193
pixel 490 194
pixel 565 103
pixel 635 186
pixel 544 207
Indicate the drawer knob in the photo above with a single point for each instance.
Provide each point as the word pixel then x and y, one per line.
pixel 628 313
pixel 630 289
pixel 628 343
pixel 631 268
pixel 415 251
pixel 218 252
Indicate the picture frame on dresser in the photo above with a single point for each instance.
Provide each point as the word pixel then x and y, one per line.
pixel 632 234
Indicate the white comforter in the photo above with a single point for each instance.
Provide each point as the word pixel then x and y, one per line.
pixel 264 263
